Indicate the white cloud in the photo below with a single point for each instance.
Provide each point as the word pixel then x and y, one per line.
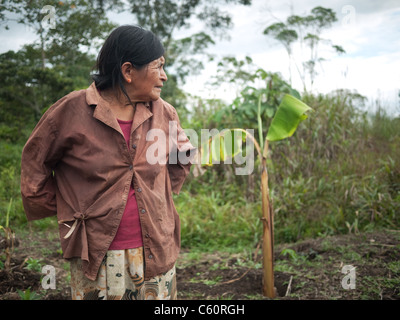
pixel 14 38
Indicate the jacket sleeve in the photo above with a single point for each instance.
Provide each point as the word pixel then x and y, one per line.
pixel 181 157
pixel 39 157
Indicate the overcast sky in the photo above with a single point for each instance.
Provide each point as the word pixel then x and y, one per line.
pixel 368 30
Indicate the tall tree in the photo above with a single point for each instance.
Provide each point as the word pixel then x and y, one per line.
pixel 305 30
pixel 286 37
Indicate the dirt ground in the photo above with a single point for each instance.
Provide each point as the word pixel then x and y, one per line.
pixel 307 270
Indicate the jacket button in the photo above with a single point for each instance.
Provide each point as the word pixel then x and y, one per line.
pixel 147 235
pixel 130 167
pixel 134 146
pixel 150 256
pixel 139 189
pixel 143 211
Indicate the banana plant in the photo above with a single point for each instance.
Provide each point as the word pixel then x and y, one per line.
pixel 289 114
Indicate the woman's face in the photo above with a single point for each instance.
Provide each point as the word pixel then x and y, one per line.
pixel 145 84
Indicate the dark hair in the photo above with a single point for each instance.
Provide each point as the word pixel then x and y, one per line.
pixel 126 43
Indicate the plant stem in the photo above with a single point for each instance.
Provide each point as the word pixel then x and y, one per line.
pixel 268 234
pixel 8 213
pixel 260 133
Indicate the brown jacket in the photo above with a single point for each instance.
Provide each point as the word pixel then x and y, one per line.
pixel 76 165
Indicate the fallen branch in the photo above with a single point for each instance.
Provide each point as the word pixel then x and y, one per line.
pixel 289 288
pixel 234 280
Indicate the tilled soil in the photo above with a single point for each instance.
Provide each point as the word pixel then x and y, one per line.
pixel 307 270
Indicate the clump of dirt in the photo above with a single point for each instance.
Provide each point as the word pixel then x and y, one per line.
pixel 18 278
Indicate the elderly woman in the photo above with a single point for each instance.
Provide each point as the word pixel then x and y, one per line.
pixel 97 159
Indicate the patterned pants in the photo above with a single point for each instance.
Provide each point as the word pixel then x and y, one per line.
pixel 121 277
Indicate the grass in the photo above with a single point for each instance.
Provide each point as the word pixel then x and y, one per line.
pixel 28 295
pixel 211 222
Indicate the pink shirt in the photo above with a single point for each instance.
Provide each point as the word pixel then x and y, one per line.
pixel 129 234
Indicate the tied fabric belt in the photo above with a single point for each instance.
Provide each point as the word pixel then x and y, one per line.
pixel 75 242
pixel 79 218
pixel 78 242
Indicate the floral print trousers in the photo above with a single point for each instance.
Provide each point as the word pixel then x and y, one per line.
pixel 121 277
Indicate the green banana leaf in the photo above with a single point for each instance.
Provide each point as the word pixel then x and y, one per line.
pixel 290 113
pixel 222 146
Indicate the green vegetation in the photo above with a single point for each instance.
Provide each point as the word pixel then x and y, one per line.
pixel 28 295
pixel 337 174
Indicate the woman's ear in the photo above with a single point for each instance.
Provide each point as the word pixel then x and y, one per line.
pixel 127 71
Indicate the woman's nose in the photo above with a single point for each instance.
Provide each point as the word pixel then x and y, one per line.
pixel 163 75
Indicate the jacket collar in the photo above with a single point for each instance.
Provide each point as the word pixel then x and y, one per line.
pixel 103 112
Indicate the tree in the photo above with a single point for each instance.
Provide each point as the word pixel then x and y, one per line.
pixel 235 73
pixel 25 87
pixel 306 30
pixel 183 55
pixel 165 17
pixel 58 62
pixel 286 37
pixel 63 27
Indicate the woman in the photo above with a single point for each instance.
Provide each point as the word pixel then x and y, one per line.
pixel 91 161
